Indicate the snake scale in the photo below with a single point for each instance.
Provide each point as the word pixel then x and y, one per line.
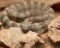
pixel 29 15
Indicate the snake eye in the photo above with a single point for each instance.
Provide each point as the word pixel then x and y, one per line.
pixel 51 26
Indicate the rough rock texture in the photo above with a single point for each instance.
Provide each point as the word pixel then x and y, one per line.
pixel 4 3
pixel 13 37
pixel 30 15
pixel 50 2
pixel 54 30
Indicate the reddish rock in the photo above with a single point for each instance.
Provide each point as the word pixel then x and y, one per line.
pixel 13 36
pixel 50 2
pixel 55 37
pixel 54 30
pixel 4 3
pixel 45 35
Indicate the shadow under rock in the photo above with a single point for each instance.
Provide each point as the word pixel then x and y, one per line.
pixel 2 45
pixel 38 45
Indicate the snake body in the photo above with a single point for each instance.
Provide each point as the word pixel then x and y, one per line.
pixel 28 15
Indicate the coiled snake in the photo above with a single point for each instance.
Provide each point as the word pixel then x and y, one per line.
pixel 29 15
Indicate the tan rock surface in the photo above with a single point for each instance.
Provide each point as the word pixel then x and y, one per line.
pixel 50 2
pixel 54 30
pixel 7 36
pixel 4 3
pixel 13 36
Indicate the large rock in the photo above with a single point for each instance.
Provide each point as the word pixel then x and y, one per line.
pixel 12 37
pixel 54 30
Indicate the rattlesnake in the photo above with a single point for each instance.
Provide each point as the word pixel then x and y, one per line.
pixel 29 15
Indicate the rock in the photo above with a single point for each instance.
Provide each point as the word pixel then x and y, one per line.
pixel 48 43
pixel 9 36
pixel 54 30
pixel 50 2
pixel 4 3
pixel 13 37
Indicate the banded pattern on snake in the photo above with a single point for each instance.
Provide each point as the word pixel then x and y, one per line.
pixel 28 15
